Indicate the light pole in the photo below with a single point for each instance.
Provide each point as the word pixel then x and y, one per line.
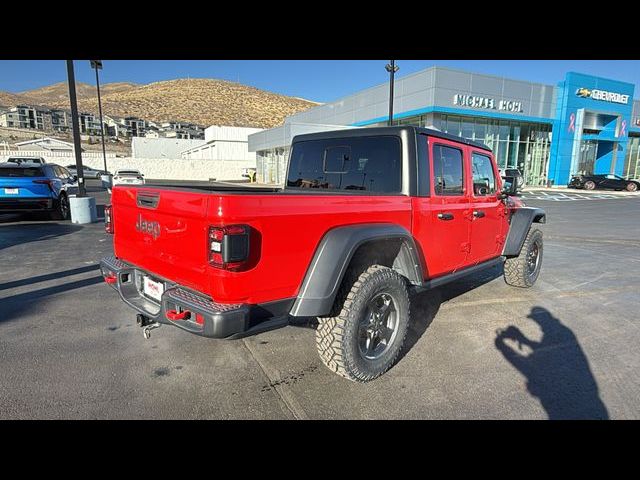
pixel 76 128
pixel 97 65
pixel 392 68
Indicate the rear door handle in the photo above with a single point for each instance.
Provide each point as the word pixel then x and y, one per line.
pixel 445 216
pixel 478 213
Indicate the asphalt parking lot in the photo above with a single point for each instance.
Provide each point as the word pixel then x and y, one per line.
pixel 478 349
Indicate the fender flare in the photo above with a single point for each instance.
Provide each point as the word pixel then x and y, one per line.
pixel 521 221
pixel 333 255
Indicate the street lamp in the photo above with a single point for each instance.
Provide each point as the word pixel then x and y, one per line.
pixel 392 68
pixel 97 65
pixel 76 128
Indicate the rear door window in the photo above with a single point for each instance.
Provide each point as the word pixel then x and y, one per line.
pixel 21 172
pixel 367 164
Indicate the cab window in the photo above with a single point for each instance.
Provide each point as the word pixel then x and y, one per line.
pixel 484 179
pixel 448 170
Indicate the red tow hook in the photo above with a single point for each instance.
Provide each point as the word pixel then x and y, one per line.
pixel 173 315
pixel 111 279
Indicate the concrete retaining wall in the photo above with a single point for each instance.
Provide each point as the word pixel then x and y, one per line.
pixel 163 168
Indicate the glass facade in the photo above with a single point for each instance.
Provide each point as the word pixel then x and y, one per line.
pixel 272 165
pixel 632 159
pixel 522 145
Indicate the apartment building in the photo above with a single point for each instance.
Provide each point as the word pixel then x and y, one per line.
pixel 26 116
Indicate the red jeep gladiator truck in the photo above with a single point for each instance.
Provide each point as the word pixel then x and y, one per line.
pixel 366 217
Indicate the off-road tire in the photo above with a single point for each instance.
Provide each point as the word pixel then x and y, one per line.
pixel 62 210
pixel 337 336
pixel 516 272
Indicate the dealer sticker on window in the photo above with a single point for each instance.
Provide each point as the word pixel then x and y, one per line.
pixel 152 288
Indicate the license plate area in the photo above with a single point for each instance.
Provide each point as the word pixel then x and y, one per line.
pixel 11 191
pixel 152 288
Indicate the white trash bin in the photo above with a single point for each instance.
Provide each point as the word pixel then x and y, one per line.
pixel 83 209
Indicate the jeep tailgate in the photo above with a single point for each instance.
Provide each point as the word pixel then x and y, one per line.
pixel 163 231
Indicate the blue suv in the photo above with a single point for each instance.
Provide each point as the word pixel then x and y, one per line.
pixel 31 187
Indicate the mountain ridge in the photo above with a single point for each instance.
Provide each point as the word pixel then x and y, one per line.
pixel 203 101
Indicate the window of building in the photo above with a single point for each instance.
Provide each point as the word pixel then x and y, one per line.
pixel 448 170
pixel 372 164
pixel 484 179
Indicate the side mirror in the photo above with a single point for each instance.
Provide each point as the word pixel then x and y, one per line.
pixel 74 178
pixel 509 187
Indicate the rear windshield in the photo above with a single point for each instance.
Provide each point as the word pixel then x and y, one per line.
pixel 21 172
pixel 371 164
pixel 128 172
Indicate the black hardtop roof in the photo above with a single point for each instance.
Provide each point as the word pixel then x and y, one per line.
pixel 375 131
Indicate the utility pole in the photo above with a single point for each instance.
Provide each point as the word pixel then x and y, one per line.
pixel 97 64
pixel 392 68
pixel 76 128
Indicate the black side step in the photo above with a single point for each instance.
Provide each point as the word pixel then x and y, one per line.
pixel 452 277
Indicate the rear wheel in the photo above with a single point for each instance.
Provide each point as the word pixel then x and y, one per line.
pixel 589 185
pixel 364 339
pixel 62 211
pixel 523 270
pixel 632 187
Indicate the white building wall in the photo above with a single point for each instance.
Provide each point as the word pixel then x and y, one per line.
pixel 154 168
pixel 142 147
pixel 238 134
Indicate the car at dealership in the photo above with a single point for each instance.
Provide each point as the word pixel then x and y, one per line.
pixel 26 159
pixel 604 181
pixel 366 216
pixel 128 177
pixel 88 171
pixel 28 187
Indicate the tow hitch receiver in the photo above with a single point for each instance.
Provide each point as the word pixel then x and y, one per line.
pixel 146 324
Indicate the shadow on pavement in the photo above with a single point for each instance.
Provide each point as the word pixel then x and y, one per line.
pixel 24 233
pixel 15 306
pixel 425 305
pixel 556 368
pixel 48 276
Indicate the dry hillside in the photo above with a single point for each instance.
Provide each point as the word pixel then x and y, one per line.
pixel 202 101
pixel 58 93
pixel 9 99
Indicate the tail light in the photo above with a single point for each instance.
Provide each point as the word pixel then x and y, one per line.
pixel 46 182
pixel 228 247
pixel 108 219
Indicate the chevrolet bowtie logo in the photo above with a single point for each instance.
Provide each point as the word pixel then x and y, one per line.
pixel 583 92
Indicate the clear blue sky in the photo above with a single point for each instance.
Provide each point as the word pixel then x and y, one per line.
pixel 319 80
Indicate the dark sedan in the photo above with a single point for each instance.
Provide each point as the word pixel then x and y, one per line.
pixel 88 171
pixel 605 181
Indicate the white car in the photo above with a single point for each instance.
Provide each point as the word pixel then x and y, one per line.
pixel 128 177
pixel 32 160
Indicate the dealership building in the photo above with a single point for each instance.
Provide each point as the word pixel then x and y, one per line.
pixel 584 124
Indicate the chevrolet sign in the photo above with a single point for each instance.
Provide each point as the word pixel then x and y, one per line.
pixel 603 95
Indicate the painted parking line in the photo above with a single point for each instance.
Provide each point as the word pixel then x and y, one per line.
pixel 569 196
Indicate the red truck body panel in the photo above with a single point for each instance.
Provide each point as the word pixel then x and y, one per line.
pixel 289 227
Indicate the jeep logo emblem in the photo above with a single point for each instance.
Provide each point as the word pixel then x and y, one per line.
pixel 147 226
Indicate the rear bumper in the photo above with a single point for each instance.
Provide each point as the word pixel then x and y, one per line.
pixel 26 204
pixel 216 320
